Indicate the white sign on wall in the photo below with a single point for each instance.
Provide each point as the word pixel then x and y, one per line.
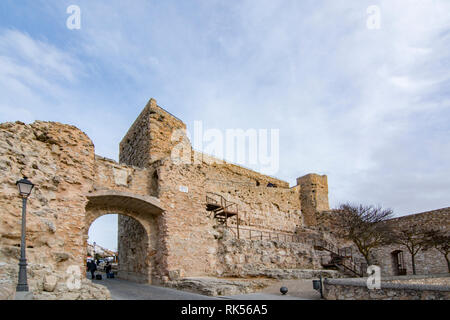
pixel 184 189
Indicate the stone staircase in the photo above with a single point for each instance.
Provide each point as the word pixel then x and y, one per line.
pixel 340 259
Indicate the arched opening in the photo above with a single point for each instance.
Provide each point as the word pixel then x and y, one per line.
pixel 398 263
pixel 137 231
pixel 128 253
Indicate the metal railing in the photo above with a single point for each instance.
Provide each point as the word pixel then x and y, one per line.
pixel 340 256
pixel 343 257
pixel 220 201
pixel 255 234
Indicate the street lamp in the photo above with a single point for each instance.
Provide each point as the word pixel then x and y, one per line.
pixel 25 186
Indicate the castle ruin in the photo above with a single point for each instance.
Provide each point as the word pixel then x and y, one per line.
pixel 167 231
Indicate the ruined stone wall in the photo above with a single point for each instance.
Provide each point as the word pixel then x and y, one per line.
pixel 262 208
pixel 150 137
pixel 135 145
pixel 438 219
pixel 430 261
pixel 117 176
pixel 427 262
pixel 244 257
pixel 220 171
pixel 134 253
pixel 188 243
pixel 313 196
pixel 59 160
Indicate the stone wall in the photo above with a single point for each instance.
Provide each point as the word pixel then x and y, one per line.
pixel 220 171
pixel 150 137
pixel 243 257
pixel 178 238
pixel 429 261
pixel 135 145
pixel 134 253
pixel 394 288
pixel 259 207
pixel 313 196
pixel 7 289
pixel 187 234
pixel 110 175
pixel 60 160
pixel 188 246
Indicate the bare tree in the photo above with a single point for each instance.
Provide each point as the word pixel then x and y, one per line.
pixel 364 225
pixel 414 237
pixel 440 240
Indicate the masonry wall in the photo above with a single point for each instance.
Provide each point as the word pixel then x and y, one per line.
pixel 150 137
pixel 110 175
pixel 180 177
pixel 430 261
pixel 313 196
pixel 134 254
pixel 427 262
pixel 188 240
pixel 260 207
pixel 245 257
pixel 59 160
pixel 391 288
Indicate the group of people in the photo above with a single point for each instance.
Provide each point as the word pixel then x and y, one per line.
pixel 92 267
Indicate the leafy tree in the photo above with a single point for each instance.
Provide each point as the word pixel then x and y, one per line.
pixel 364 225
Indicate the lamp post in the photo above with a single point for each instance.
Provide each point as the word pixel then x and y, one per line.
pixel 25 186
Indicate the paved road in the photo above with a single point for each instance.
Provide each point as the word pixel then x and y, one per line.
pixel 299 289
pixel 127 290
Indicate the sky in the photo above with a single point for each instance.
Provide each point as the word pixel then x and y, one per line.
pixel 370 108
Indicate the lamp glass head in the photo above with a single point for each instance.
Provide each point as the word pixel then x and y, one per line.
pixel 25 186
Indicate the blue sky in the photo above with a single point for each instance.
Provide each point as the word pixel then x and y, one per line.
pixel 369 108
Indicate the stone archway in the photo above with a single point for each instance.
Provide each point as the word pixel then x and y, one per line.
pixel 138 230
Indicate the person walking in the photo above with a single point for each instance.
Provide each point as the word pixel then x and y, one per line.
pixel 108 269
pixel 92 267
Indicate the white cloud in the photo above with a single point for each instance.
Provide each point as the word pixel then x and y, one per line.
pixel 32 72
pixel 370 108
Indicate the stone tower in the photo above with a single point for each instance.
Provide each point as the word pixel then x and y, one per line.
pixel 313 196
pixel 149 138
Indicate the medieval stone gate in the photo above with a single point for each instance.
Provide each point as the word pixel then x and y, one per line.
pixel 137 231
pixel 165 231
